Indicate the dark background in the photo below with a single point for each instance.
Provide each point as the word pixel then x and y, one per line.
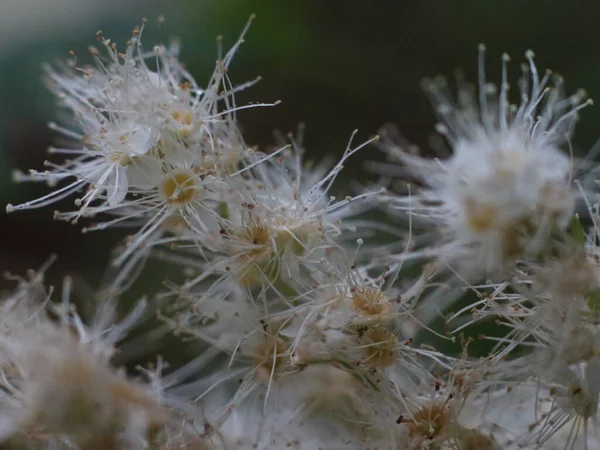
pixel 336 66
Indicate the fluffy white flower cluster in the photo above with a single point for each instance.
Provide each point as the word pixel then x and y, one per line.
pixel 304 335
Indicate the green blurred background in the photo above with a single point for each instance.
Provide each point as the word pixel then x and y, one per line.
pixel 336 66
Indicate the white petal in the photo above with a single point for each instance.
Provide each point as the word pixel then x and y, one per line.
pixel 141 141
pixel 116 188
pixel 144 172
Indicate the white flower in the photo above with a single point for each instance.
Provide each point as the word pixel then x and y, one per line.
pixel 131 120
pixel 530 415
pixel 507 185
pixel 57 381
pixel 267 226
pixel 284 217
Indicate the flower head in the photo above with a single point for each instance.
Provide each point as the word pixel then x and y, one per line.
pixel 506 188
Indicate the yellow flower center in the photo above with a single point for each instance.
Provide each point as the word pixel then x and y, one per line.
pixel 179 187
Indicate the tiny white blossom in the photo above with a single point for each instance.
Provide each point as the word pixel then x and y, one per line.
pixel 507 185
